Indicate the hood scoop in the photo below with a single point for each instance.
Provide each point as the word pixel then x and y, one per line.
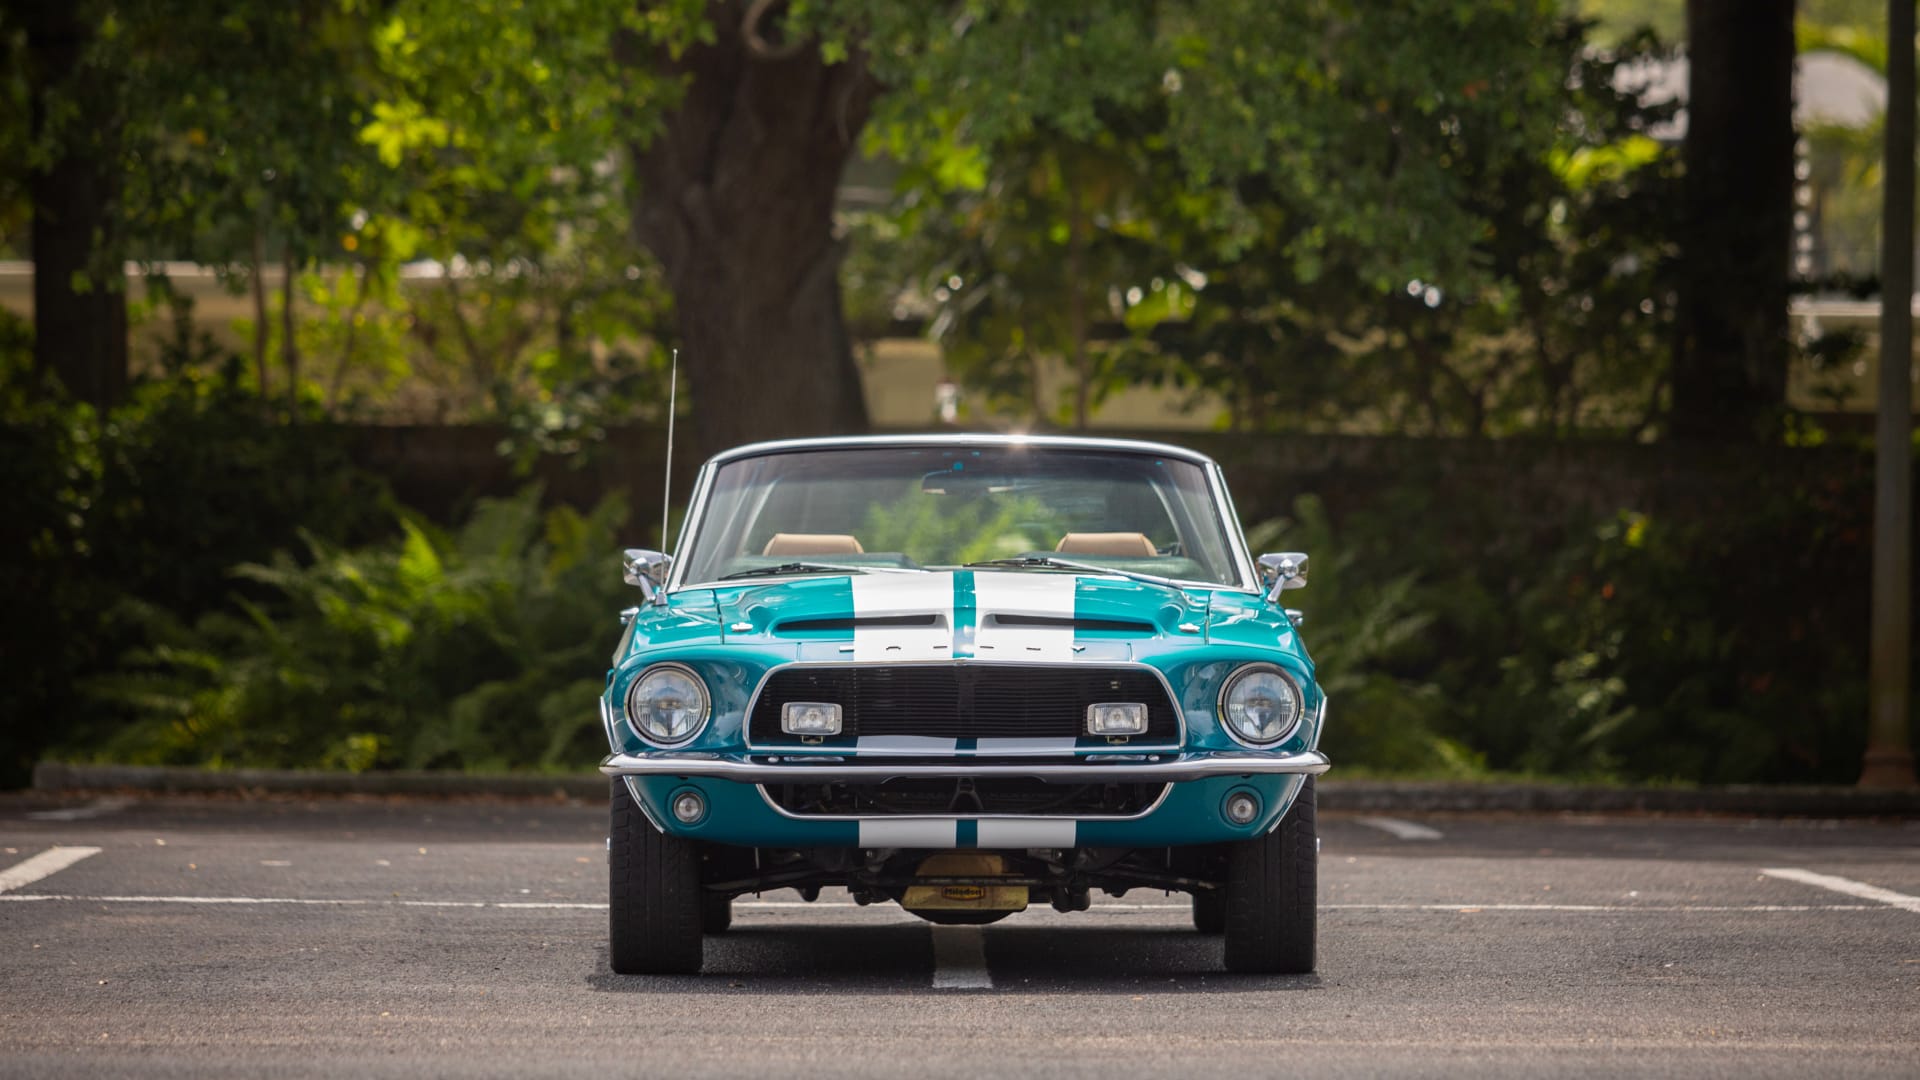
pixel 1034 622
pixel 855 622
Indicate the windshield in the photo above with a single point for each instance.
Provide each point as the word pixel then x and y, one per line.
pixel 908 507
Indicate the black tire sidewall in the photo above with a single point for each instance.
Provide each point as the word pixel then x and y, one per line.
pixel 1271 895
pixel 653 894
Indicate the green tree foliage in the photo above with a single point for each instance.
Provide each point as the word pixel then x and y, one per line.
pixel 1360 113
pixel 311 151
pixel 1280 286
pixel 491 148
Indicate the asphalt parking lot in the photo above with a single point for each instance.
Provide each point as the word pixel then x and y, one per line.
pixel 293 937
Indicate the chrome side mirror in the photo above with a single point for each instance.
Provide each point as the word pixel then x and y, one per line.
pixel 1282 571
pixel 646 569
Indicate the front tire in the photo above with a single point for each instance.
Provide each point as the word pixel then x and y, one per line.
pixel 653 895
pixel 1271 906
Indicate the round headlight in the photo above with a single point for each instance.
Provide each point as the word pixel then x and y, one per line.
pixel 667 704
pixel 1260 704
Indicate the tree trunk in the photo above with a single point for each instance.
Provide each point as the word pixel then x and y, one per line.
pixel 736 200
pixel 1730 358
pixel 79 287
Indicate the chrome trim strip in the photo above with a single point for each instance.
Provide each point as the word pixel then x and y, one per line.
pixel 1236 536
pixel 1185 584
pixel 1051 442
pixel 696 505
pixel 606 719
pixel 1179 714
pixel 1216 481
pixel 641 803
pixel 1165 790
pixel 1198 766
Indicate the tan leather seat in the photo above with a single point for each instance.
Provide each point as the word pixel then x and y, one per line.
pixel 813 544
pixel 1123 544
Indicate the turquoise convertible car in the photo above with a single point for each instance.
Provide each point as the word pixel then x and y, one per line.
pixel 962 674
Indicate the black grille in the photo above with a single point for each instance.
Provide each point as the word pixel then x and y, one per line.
pixel 985 795
pixel 963 701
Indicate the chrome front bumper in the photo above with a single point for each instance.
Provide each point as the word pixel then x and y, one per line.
pixel 763 768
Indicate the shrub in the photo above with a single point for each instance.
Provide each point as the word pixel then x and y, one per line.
pixel 148 507
pixel 1366 630
pixel 478 649
pixel 1719 642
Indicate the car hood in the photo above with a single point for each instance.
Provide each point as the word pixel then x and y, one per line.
pixel 1038 616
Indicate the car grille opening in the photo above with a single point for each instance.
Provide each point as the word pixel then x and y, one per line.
pixel 962 701
pixel 964 796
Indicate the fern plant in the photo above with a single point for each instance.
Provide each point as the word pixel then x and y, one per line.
pixel 481 649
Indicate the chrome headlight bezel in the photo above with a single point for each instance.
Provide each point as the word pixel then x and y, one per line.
pixel 633 710
pixel 1237 678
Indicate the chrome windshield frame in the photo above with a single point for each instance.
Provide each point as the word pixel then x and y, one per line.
pixel 1223 509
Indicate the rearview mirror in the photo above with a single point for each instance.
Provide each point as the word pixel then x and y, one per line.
pixel 1282 571
pixel 963 484
pixel 646 569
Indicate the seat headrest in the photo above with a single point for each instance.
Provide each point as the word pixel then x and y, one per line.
pixel 812 544
pixel 1124 544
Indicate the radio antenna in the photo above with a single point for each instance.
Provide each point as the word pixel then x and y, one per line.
pixel 666 482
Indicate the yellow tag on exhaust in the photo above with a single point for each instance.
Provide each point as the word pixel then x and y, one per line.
pixel 965 898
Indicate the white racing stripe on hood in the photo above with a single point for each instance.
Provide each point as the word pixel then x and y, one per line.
pixel 881 595
pixel 1033 593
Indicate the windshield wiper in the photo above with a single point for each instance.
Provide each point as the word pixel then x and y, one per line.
pixel 818 568
pixel 1044 562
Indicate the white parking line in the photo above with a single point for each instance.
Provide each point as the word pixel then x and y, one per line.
pixel 94 809
pixel 1181 911
pixel 51 861
pixel 960 959
pixel 1405 830
pixel 309 902
pixel 1846 885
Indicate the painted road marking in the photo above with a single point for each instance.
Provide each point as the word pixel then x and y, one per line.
pixel 1180 910
pixel 308 902
pixel 51 861
pixel 1848 886
pixel 94 809
pixel 960 959
pixel 1405 830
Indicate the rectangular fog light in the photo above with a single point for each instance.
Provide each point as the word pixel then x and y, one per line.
pixel 1117 718
pixel 810 718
